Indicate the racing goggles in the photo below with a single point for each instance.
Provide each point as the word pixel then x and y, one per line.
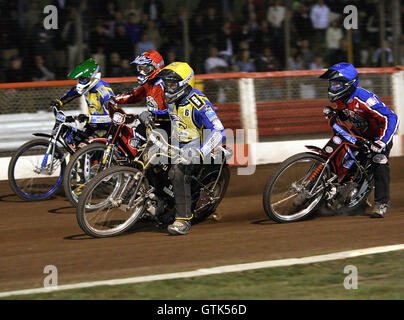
pixel 170 86
pixel 145 69
pixel 335 86
pixel 84 80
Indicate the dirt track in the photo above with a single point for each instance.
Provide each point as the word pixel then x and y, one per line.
pixel 36 234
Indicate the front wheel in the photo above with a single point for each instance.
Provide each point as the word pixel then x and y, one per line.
pixel 294 191
pixel 112 202
pixel 82 167
pixel 33 173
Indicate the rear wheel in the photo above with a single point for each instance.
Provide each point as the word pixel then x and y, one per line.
pixel 33 174
pixel 112 202
pixel 287 195
pixel 212 194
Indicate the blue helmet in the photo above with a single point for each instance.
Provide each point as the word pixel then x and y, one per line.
pixel 342 79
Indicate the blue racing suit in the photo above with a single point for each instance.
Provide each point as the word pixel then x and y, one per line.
pixel 95 98
pixel 373 120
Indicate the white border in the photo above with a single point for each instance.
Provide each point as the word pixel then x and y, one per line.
pixel 216 270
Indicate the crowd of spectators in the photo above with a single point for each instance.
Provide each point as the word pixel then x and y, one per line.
pixel 253 40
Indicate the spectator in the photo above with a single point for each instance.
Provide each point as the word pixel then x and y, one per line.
pixel 170 57
pixel 153 33
pixel 333 38
pixel 40 72
pixel 118 20
pixel 114 68
pixel 319 15
pixel 69 35
pixel 144 45
pixel 317 64
pixel 133 29
pixel 320 21
pixel 340 54
pixel 15 72
pixel 262 36
pixel 266 61
pixel 377 55
pixel 253 7
pixel 215 64
pixel 153 9
pixel 302 23
pixel 245 64
pixel 306 53
pixel 295 60
pixel 212 25
pixel 276 14
pixel 245 35
pixel 225 42
pixel 98 39
pixel 134 11
pixel 42 40
pixel 126 70
pixel 121 43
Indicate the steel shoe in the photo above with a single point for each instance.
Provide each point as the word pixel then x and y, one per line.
pixel 179 227
pixel 379 210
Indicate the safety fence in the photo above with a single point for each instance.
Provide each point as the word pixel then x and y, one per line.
pixel 269 104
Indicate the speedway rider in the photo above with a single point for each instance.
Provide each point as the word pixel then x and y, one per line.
pixel 371 119
pixel 191 113
pixel 148 64
pixel 96 92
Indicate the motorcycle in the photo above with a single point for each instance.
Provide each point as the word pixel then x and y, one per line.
pixel 120 196
pixel 337 177
pixel 118 147
pixel 36 169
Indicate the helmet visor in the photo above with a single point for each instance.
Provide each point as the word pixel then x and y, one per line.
pixel 144 69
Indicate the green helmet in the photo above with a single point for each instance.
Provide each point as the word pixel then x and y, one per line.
pixel 88 73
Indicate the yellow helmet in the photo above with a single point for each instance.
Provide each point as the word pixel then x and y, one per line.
pixel 178 78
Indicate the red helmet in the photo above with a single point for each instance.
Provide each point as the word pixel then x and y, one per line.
pixel 148 64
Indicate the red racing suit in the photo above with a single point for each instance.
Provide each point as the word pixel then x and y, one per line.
pixel 152 91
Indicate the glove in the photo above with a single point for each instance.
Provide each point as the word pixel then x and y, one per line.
pixel 69 119
pixel 146 117
pixel 82 117
pixel 328 112
pixel 55 104
pixel 110 100
pixel 377 146
pixel 190 156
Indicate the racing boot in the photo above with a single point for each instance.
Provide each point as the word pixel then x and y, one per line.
pixel 379 210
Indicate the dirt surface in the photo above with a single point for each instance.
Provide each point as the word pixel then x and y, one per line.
pixel 36 234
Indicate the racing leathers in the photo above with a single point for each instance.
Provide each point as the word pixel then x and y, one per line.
pixel 96 98
pixel 372 119
pixel 153 92
pixel 197 130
